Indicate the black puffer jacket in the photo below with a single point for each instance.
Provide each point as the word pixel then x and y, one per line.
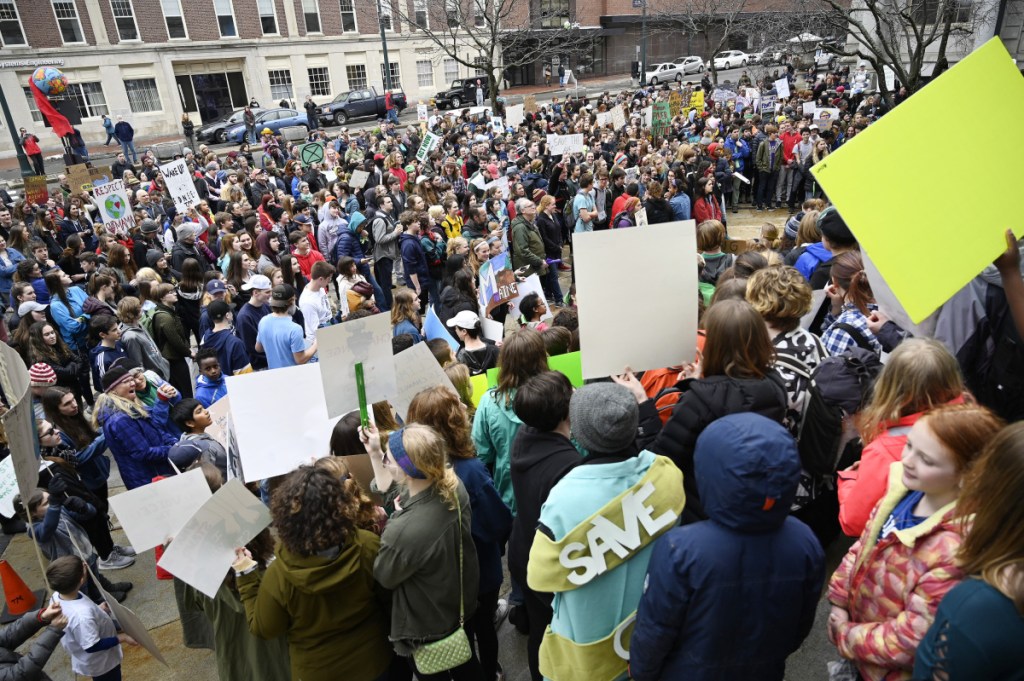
pixel 658 211
pixel 452 303
pixel 704 401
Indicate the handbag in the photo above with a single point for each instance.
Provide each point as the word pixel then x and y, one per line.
pixel 454 649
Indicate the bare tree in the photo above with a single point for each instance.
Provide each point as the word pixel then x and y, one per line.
pixel 714 21
pixel 489 35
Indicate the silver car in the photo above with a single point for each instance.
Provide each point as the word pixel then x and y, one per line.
pixel 691 64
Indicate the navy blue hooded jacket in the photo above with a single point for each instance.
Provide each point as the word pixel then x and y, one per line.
pixel 731 597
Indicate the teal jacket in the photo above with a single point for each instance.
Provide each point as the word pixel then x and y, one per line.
pixel 494 428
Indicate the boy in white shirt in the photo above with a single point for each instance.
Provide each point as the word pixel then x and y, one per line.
pixel 91 637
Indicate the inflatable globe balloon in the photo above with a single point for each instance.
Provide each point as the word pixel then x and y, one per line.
pixel 50 81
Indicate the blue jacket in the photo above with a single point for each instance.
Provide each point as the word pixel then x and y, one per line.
pixel 813 255
pixel 405 326
pixel 414 260
pixel 124 131
pixel 139 445
pixel 100 359
pixel 740 151
pixel 208 392
pixel 348 243
pixel 7 271
pixel 492 520
pixel 93 466
pixel 71 329
pixel 732 596
pixel 230 350
pixel 680 204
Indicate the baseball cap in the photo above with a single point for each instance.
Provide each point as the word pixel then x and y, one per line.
pixel 215 286
pixel 467 319
pixel 30 306
pixel 282 295
pixel 257 282
pixel 217 310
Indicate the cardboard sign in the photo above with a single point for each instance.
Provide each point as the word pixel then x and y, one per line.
pixel 358 179
pixel 422 112
pixel 153 513
pixel 768 104
pixel 128 621
pixel 179 183
pixel 675 103
pixel 502 184
pixel 204 549
pixel 782 88
pixel 35 190
pixel 919 247
pixel 661 120
pixel 619 328
pixel 736 246
pixel 497 284
pixel 514 115
pixel 604 118
pixel 418 370
pixel 559 145
pixel 618 117
pixel 809 108
pixel 115 212
pixel 8 487
pixel 530 104
pixel 341 346
pixel 78 177
pixel 648 116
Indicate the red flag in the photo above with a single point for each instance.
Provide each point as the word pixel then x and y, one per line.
pixel 57 121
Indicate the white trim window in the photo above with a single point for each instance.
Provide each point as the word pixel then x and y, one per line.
pixel 453 12
pixel 280 84
pixel 479 13
pixel 11 32
pixel 225 11
pixel 396 75
pixel 174 18
pixel 37 115
pixel 386 20
pixel 421 15
pixel 319 81
pixel 356 76
pixel 268 17
pixel 348 17
pixel 143 95
pixel 424 73
pixel 124 19
pixel 480 63
pixel 451 70
pixel 311 14
pixel 67 20
pixel 89 97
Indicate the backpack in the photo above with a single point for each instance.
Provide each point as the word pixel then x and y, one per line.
pixel 147 322
pixel 838 387
pixel 434 250
pixel 992 359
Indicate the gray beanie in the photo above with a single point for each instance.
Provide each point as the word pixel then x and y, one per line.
pixel 604 417
pixel 185 231
pixel 149 226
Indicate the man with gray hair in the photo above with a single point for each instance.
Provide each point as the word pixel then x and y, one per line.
pixel 527 243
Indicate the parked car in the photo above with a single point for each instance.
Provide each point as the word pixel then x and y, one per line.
pixel 359 104
pixel 663 73
pixel 460 92
pixel 730 59
pixel 765 57
pixel 275 119
pixel 691 64
pixel 216 130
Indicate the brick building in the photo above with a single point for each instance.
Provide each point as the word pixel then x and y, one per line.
pixel 150 60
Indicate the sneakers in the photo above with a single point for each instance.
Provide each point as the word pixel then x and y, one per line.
pixel 119 596
pixel 115 561
pixel 564 267
pixel 124 550
pixel 124 587
pixel 517 616
pixel 501 613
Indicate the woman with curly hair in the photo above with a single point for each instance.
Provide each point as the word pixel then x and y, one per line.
pixel 320 591
pixel 427 556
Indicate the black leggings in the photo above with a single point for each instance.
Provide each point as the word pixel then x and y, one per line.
pixel 481 630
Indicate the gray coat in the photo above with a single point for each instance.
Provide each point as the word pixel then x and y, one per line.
pixel 28 667
pixel 385 236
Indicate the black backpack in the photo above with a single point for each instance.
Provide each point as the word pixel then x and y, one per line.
pixel 839 387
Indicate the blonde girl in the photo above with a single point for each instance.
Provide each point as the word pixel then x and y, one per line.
pixel 405 315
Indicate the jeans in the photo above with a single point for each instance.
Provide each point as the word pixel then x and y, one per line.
pixel 783 184
pixel 313 122
pixel 382 269
pixel 393 116
pixel 110 136
pixel 250 134
pixel 549 282
pixel 128 146
pixel 378 294
pixel 766 187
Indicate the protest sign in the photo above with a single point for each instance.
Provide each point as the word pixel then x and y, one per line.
pixel 78 178
pixel 19 421
pixel 817 298
pixel 430 140
pixel 604 118
pixel 8 487
pixel 359 178
pixel 115 212
pixel 501 183
pixel 127 620
pixel 890 306
pixel 809 108
pixel 491 329
pixel 782 88
pixel 530 104
pixel 366 340
pixel 919 247
pixel 497 283
pixel 312 152
pixel 204 548
pixel 422 112
pixel 661 120
pixel 648 116
pixel 514 115
pixel 697 101
pixel 564 144
pixel 641 217
pixel 419 371
pixel 619 328
pixel 179 183
pixel 269 447
pixel 618 117
pixel 531 285
pixel 675 103
pixel 479 383
pixel 497 125
pixel 768 104
pixel 99 175
pixel 433 328
pixel 152 514
pixel 223 431
pixel 35 190
pixel 823 117
pixel 722 95
pixel 568 364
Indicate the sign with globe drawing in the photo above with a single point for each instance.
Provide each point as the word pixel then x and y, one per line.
pixel 115 210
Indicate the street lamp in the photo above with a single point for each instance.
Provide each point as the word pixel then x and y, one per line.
pixel 26 169
pixel 384 46
pixel 643 39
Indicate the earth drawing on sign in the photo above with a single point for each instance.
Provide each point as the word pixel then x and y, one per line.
pixel 114 207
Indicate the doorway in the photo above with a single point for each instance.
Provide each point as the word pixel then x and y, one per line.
pixel 212 95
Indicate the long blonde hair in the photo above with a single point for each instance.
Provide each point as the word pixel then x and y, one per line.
pixel 921 374
pixel 108 403
pixel 427 451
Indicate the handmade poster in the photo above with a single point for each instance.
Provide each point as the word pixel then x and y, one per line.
pixel 359 178
pixel 648 116
pixel 501 183
pixel 497 125
pixel 297 432
pixel 889 305
pixel 19 421
pixel 768 104
pixel 782 88
pixel 559 145
pixel 809 108
pixel 675 103
pixel 180 185
pixel 310 153
pixel 479 383
pixel 223 431
pixel 433 328
pixel 491 329
pixel 568 364
pixel 919 247
pixel 619 328
pixel 114 210
pixel 604 118
pixel 697 101
pixel 422 112
pixel 99 175
pixel 641 217
pixel 8 487
pixel 128 621
pixel 661 119
pixel 823 117
pixel 152 514
pixel 78 178
pixel 366 340
pixel 430 140
pixel 35 190
pixel 419 371
pixel 618 117
pixel 497 283
pixel 204 548
pixel 514 115
pixel 530 104
pixel 531 285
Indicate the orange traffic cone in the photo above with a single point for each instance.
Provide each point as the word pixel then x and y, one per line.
pixel 19 597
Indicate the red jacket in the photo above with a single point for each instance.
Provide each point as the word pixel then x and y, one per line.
pixel 703 209
pixel 306 261
pixel 31 144
pixel 387 101
pixel 789 140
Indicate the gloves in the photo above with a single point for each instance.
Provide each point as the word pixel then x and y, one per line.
pixel 58 491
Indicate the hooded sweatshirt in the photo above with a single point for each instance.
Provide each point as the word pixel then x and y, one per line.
pixel 230 351
pixel 209 391
pixel 495 425
pixel 202 447
pixel 348 242
pixel 732 596
pixel 333 612
pixel 101 357
pixel 813 255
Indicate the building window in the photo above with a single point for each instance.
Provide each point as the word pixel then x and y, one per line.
pixel 479 13
pixel 268 16
pixel 89 98
pixel 419 8
pixel 10 25
pixel 356 74
pixel 453 11
pixel 481 66
pixel 311 12
pixel 124 18
pixel 143 96
pixel 348 17
pixel 396 77
pixel 37 115
pixel 385 14
pixel 67 20
pixel 319 81
pixel 927 11
pixel 174 18
pixel 451 70
pixel 424 73
pixel 553 13
pixel 225 18
pixel 280 85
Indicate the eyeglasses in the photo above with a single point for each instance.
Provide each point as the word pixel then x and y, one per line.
pixel 53 430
